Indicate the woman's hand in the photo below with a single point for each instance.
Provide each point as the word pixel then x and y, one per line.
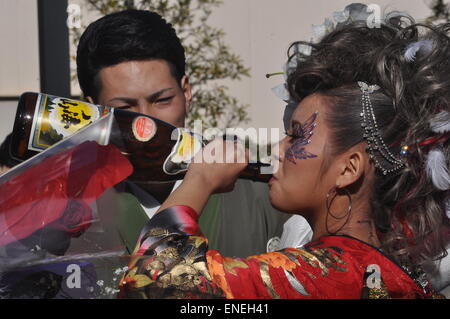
pixel 215 169
pixel 218 165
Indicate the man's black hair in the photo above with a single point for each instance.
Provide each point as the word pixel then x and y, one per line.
pixel 130 35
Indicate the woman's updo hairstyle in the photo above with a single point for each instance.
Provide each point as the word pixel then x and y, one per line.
pixel 408 209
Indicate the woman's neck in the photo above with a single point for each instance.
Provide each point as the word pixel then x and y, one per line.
pixel 342 221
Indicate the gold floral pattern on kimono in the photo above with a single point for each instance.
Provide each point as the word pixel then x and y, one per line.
pixel 172 260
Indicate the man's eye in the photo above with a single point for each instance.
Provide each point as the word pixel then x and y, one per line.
pixel 123 107
pixel 164 100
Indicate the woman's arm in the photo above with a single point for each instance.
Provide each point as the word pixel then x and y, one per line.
pixel 193 192
pixel 172 260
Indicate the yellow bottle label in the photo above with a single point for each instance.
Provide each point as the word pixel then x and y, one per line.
pixel 188 144
pixel 187 148
pixel 56 118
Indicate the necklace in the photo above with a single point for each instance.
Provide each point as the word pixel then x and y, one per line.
pixel 419 276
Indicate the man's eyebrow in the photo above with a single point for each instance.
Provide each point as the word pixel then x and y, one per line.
pixel 157 94
pixel 133 101
pixel 126 100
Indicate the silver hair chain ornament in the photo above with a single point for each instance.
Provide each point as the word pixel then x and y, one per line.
pixel 372 135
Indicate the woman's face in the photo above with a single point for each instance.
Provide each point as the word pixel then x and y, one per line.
pixel 298 185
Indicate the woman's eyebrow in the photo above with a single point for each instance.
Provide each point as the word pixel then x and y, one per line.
pixel 295 123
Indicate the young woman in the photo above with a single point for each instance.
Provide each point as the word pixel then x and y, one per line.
pixel 365 161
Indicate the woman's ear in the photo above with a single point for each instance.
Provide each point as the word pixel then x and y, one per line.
pixel 187 91
pixel 352 167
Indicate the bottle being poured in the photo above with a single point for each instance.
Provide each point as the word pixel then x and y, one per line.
pixel 158 151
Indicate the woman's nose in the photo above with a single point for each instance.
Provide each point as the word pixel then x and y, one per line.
pixel 279 149
pixel 277 155
pixel 276 152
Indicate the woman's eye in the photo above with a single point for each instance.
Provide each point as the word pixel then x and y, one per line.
pixel 296 134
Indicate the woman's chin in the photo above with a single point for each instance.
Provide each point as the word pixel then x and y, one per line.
pixel 278 202
pixel 274 200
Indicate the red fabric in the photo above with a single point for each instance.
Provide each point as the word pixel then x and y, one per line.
pixel 41 194
pixel 171 263
pixel 332 267
pixel 76 218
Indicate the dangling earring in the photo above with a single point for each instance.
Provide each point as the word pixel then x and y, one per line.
pixel 329 202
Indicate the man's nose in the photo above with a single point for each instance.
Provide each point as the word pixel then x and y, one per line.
pixel 142 108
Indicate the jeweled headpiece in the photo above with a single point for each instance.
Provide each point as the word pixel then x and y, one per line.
pixel 376 147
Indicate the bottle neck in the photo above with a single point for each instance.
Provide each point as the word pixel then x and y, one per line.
pixel 257 172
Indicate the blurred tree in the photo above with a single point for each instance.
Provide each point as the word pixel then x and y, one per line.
pixel 209 59
pixel 440 10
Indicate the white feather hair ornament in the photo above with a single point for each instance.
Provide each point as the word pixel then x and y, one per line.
pixel 436 166
pixel 436 163
pixel 413 48
pixel 440 123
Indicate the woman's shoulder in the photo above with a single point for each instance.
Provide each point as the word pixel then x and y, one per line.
pixel 378 275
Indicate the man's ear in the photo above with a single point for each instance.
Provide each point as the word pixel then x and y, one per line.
pixel 187 91
pixel 89 99
pixel 351 168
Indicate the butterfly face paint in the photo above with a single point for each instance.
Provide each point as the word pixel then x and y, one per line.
pixel 300 137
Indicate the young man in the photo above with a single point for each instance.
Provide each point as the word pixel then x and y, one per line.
pixel 134 60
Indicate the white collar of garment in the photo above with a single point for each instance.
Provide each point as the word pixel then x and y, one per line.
pixel 147 201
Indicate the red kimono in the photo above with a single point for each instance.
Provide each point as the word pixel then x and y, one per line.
pixel 172 260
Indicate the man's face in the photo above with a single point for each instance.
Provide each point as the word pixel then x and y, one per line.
pixel 146 87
